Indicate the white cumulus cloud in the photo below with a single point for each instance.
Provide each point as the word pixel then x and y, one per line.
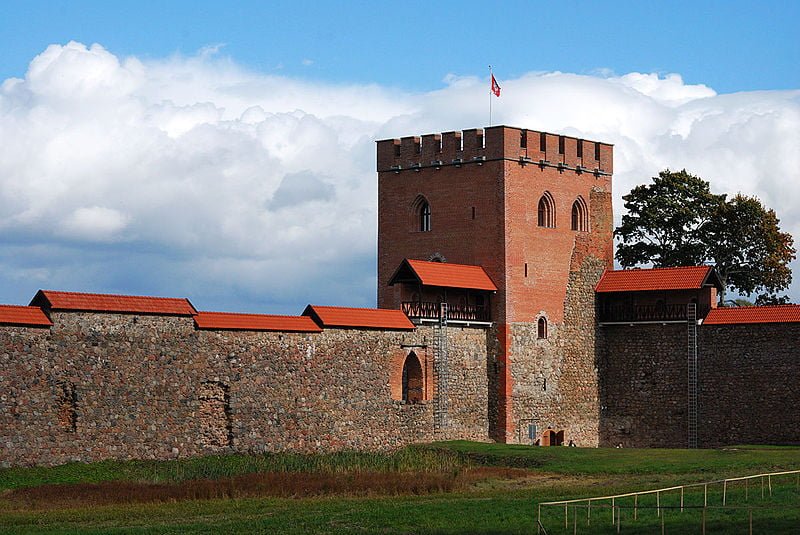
pixel 94 223
pixel 194 176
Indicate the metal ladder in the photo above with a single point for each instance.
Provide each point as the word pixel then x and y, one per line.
pixel 691 320
pixel 441 369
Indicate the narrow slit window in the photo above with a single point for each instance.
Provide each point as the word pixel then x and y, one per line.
pixel 425 217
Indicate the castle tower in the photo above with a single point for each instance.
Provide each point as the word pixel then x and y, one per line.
pixel 534 211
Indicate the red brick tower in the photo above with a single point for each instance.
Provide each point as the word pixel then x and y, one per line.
pixel 534 210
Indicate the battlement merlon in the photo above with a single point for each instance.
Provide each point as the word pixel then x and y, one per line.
pixel 495 143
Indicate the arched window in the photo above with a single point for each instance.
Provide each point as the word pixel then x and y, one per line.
pixel 541 331
pixel 412 379
pixel 421 214
pixel 580 219
pixel 425 217
pixel 547 211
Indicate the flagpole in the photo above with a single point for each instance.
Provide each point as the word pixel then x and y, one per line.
pixel 490 95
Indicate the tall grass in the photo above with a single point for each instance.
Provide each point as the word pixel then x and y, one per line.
pixel 416 459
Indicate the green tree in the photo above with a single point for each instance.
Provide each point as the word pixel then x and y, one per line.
pixel 772 299
pixel 666 220
pixel 751 254
pixel 677 221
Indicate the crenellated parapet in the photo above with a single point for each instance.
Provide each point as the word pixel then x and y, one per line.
pixel 478 145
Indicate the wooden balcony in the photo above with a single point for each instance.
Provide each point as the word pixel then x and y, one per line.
pixel 659 312
pixel 430 311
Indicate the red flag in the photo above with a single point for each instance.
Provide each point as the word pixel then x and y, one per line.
pixel 495 87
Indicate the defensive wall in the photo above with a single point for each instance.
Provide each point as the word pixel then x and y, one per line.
pixel 504 321
pixel 748 392
pixel 105 385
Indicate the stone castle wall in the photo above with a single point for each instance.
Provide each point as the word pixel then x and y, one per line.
pixel 555 379
pixel 749 389
pixel 119 386
pixel 643 385
pixel 746 384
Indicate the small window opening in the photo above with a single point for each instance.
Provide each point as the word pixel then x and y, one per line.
pixel 580 219
pixel 546 211
pixel 412 379
pixel 418 147
pixel 473 212
pixel 544 384
pixel 597 151
pixel 438 145
pixel 396 150
pixel 523 139
pixel 481 140
pixel 541 330
pixel 580 148
pixel 460 143
pixel 526 269
pixel 561 144
pixel 425 217
pixel 542 142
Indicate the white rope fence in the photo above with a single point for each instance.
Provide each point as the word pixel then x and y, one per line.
pixel 615 515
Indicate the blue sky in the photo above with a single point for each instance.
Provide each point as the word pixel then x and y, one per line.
pixel 728 45
pixel 225 153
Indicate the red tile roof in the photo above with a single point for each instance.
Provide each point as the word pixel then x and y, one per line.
pixel 446 275
pixel 135 304
pixel 21 315
pixel 371 318
pixel 738 315
pixel 674 278
pixel 255 322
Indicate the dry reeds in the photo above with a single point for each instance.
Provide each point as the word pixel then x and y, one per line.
pixel 275 484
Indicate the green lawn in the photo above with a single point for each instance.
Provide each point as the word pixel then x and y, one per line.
pixel 504 501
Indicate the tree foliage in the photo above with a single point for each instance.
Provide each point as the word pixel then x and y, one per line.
pixel 665 221
pixel 678 221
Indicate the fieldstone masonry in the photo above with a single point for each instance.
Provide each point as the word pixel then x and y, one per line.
pixel 98 385
pixel 748 392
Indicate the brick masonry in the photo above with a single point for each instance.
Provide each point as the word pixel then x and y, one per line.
pixel 483 188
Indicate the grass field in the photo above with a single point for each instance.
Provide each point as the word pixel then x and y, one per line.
pixel 454 487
